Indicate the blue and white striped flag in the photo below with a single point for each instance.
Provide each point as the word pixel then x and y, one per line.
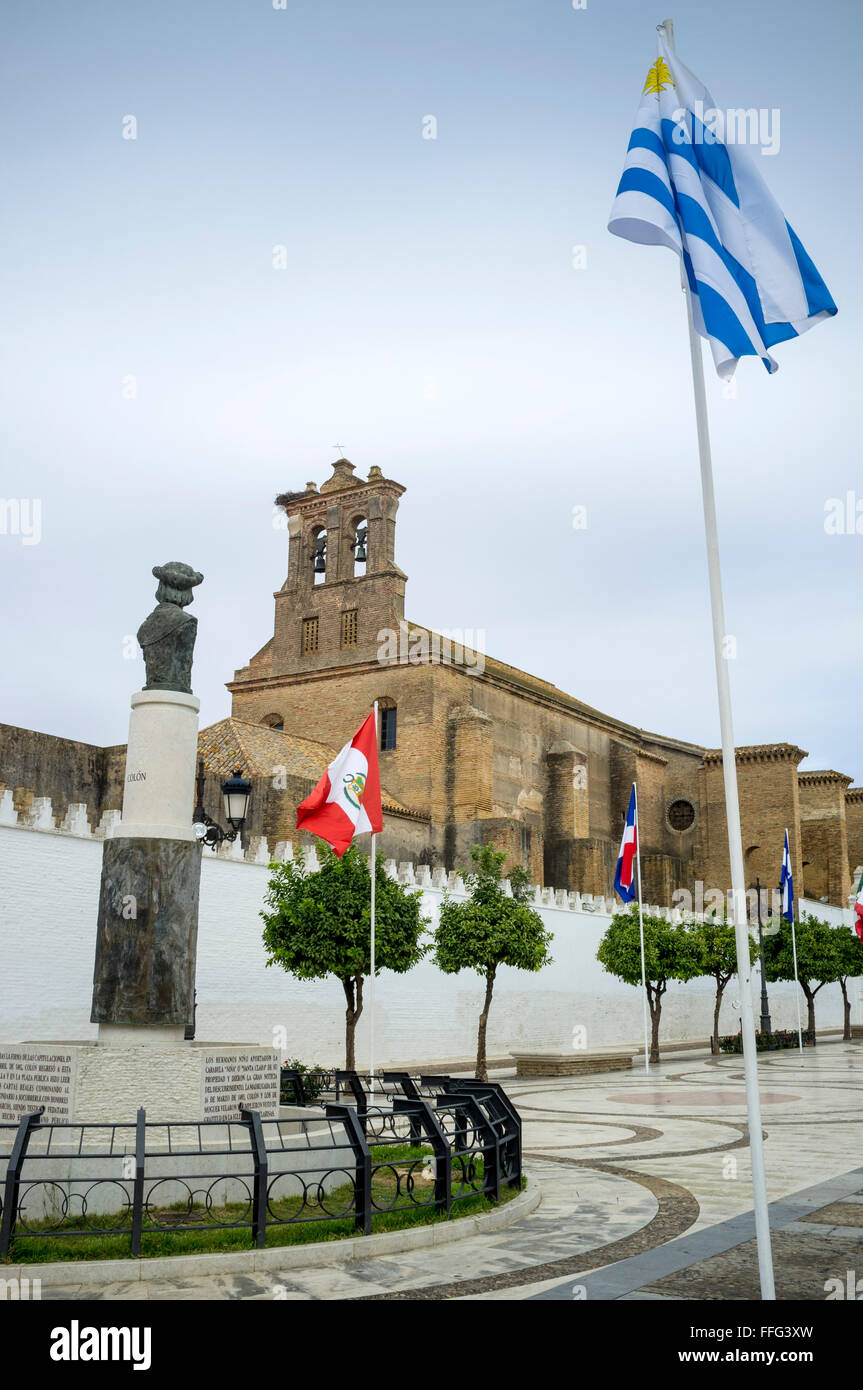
pixel 751 281
pixel 786 883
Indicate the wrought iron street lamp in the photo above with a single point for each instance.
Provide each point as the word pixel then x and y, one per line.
pixel 765 1010
pixel 236 792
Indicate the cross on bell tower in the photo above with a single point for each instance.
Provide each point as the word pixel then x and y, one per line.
pixel 344 587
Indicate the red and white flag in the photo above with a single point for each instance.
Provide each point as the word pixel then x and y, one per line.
pixel 624 878
pixel 858 909
pixel 347 800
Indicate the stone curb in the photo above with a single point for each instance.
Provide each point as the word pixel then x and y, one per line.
pixel 328 1252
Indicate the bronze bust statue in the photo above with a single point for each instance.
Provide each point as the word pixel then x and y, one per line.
pixel 167 636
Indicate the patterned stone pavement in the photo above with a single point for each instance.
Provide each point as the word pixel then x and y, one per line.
pixel 646 1194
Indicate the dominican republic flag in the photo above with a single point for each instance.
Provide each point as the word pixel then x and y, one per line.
pixel 347 800
pixel 858 909
pixel 786 883
pixel 690 184
pixel 624 878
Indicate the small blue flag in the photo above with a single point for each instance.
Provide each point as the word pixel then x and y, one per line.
pixel 786 883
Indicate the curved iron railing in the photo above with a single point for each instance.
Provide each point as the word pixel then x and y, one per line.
pixel 408 1144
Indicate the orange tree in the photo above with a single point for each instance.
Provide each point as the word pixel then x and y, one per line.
pixel 670 953
pixel 817 958
pixel 849 956
pixel 489 930
pixel 319 923
pixel 716 945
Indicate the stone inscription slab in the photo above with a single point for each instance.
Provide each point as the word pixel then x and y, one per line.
pixel 29 1079
pixel 232 1079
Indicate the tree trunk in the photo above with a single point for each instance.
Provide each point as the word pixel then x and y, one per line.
pixel 654 1032
pixel 810 1005
pixel 716 1008
pixel 654 1001
pixel 353 987
pixel 481 1064
pixel 846 1035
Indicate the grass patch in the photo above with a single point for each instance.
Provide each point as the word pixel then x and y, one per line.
pixel 82 1244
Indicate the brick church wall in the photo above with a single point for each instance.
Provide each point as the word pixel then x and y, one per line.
pixel 767 787
pixel 825 840
pixel 854 826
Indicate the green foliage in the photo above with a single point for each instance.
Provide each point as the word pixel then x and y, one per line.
pixel 716 947
pixel 849 953
pixel 319 923
pixel 817 955
pixel 767 1042
pixel 670 953
pixel 817 958
pixel 519 882
pixel 491 928
pixel 849 963
pixel 670 950
pixel 315 1080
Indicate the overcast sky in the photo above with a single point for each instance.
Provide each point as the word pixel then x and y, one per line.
pixel 430 320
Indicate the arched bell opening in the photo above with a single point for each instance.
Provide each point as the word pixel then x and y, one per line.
pixel 358 546
pixel 318 538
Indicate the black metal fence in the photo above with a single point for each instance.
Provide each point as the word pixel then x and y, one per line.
pixel 404 1144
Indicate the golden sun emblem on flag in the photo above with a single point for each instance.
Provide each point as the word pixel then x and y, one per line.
pixel 355 784
pixel 658 78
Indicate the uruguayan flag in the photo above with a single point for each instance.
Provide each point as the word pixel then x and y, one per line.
pixel 751 281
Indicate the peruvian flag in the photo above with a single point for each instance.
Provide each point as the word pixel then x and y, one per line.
pixel 858 910
pixel 624 879
pixel 347 800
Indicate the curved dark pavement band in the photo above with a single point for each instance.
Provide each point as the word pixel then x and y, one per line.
pixel 651 1266
pixel 638 1134
pixel 740 1143
pixel 678 1209
pixel 644 1133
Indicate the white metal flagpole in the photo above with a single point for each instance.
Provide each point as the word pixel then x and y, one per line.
pixel 794 950
pixel 732 811
pixel 641 933
pixel 372 875
pixel 732 805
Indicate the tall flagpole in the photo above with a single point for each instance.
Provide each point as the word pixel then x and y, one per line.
pixel 372 874
pixel 732 804
pixel 641 931
pixel 732 811
pixel 793 943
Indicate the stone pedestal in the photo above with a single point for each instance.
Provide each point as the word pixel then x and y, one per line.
pixel 159 792
pixel 144 974
pixel 81 1081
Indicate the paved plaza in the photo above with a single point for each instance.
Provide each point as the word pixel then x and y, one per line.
pixel 646 1194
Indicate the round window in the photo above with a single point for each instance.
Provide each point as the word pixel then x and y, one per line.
pixel 681 815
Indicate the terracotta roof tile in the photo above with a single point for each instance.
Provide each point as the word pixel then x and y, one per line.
pixel 257 750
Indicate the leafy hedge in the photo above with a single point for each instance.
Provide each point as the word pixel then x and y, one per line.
pixel 768 1042
pixel 315 1080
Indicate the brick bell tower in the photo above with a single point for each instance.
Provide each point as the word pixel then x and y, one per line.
pixel 344 587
